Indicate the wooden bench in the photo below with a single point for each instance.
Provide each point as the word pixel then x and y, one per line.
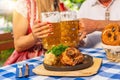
pixel 6 41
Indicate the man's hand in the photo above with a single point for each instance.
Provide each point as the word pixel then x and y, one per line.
pixel 86 26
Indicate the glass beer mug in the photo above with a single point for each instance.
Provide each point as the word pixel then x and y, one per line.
pixel 54 39
pixel 69 28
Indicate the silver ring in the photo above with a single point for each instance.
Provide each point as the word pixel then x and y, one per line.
pixel 80 33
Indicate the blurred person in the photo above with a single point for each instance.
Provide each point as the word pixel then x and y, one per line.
pixel 28 30
pixel 94 16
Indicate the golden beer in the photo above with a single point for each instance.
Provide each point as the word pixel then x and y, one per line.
pixel 65 29
pixel 54 38
pixel 69 32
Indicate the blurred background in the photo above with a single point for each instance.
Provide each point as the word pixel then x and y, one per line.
pixel 6 9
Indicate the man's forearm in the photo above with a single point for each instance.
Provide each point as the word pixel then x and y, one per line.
pixel 100 24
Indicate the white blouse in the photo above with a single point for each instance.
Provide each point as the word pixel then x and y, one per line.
pixel 21 7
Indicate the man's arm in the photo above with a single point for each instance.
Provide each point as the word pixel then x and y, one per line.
pixel 90 25
pixel 100 24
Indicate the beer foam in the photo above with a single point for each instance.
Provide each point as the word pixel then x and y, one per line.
pixel 68 15
pixel 50 16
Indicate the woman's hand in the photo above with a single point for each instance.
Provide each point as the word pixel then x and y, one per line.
pixel 86 26
pixel 41 30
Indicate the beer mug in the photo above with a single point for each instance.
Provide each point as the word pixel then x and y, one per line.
pixel 54 39
pixel 69 28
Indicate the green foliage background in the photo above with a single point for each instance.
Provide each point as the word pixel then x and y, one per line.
pixel 4 55
pixel 73 4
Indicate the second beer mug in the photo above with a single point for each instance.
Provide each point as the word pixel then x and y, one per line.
pixel 69 28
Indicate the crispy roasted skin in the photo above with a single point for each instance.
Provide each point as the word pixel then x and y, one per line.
pixel 71 56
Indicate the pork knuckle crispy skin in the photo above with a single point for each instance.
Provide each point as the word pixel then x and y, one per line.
pixel 71 56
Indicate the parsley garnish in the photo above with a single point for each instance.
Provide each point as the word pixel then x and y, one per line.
pixel 57 50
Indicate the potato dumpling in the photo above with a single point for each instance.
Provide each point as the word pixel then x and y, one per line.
pixel 50 59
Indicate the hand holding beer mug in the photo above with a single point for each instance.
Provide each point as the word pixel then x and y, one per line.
pixel 69 28
pixel 54 19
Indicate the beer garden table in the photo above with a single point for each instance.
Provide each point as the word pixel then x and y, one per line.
pixel 108 70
